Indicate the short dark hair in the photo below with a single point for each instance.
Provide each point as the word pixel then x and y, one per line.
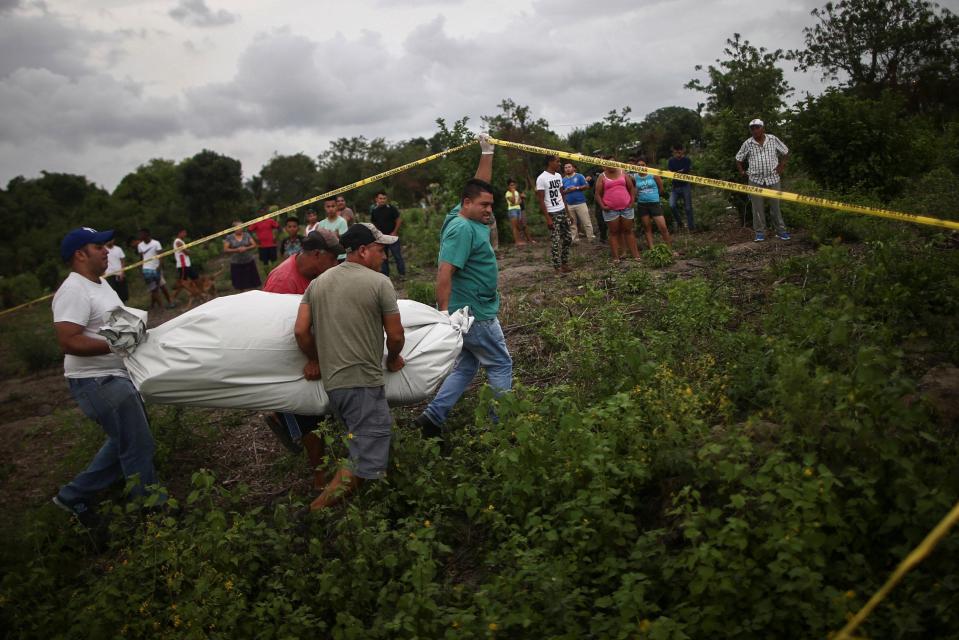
pixel 329 199
pixel 551 157
pixel 291 219
pixel 144 230
pixel 380 193
pixel 474 187
pixel 677 147
pixel 511 181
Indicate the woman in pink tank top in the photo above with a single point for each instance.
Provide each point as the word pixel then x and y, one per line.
pixel 615 194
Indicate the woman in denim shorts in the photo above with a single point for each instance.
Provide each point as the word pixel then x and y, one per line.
pixel 649 190
pixel 615 194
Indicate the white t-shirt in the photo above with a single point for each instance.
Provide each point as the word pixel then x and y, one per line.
pixel 181 259
pixel 310 228
pixel 551 183
pixel 86 303
pixel 114 256
pixel 147 250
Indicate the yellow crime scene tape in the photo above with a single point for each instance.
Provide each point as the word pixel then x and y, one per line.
pixel 915 557
pixel 273 214
pixel 741 188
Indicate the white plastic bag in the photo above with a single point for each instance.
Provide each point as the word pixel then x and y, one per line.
pixel 239 352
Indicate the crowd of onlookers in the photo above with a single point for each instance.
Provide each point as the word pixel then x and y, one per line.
pixel 600 206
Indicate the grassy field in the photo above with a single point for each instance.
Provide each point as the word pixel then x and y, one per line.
pixel 739 442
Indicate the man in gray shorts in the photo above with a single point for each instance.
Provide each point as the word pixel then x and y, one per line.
pixel 340 327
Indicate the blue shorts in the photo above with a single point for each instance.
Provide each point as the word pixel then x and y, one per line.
pixel 153 279
pixel 515 214
pixel 611 214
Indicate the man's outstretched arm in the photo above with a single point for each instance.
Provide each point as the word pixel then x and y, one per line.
pixel 484 171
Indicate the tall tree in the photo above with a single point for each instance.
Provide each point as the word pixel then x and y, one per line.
pixel 150 197
pixel 616 134
pixel 667 126
pixel 211 186
pixel 909 46
pixel 748 81
pixel 289 179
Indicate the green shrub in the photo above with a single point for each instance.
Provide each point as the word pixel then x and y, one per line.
pixel 18 289
pixel 424 292
pixel 36 349
pixel 659 256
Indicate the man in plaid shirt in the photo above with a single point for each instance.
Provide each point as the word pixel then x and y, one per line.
pixel 766 157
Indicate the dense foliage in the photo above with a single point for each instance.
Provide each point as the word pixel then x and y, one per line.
pixel 704 467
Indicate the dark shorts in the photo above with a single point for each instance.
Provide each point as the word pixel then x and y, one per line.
pixel 187 273
pixel 369 428
pixel 267 254
pixel 649 209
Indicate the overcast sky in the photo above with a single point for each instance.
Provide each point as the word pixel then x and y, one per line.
pixel 100 87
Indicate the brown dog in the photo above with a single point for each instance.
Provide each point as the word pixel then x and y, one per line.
pixel 197 290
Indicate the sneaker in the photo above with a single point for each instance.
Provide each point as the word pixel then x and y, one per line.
pixel 171 305
pixel 427 427
pixel 84 513
pixel 282 433
pixel 760 237
pixel 784 235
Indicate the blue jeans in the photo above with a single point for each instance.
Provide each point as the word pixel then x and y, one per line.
pixel 113 403
pixel 484 345
pixel 397 252
pixel 682 190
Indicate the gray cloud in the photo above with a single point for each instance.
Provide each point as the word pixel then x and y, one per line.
pixel 44 42
pixel 285 81
pixel 196 13
pixel 8 5
pixel 76 112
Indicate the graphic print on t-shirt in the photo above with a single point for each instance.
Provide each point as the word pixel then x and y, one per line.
pixel 550 184
pixel 553 196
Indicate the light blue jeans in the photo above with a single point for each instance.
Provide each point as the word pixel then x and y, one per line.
pixel 113 403
pixel 484 346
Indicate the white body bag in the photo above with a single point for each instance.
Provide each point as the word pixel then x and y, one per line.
pixel 238 352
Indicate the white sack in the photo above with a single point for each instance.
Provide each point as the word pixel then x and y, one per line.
pixel 239 352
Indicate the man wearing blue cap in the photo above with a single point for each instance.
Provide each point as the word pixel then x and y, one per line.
pixel 97 378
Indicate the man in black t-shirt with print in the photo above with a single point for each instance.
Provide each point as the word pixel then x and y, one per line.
pixel 386 218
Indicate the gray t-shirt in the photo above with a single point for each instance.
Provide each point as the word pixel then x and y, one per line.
pixel 348 303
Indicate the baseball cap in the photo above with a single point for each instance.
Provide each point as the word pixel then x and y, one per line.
pixel 322 240
pixel 80 237
pixel 756 122
pixel 364 233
